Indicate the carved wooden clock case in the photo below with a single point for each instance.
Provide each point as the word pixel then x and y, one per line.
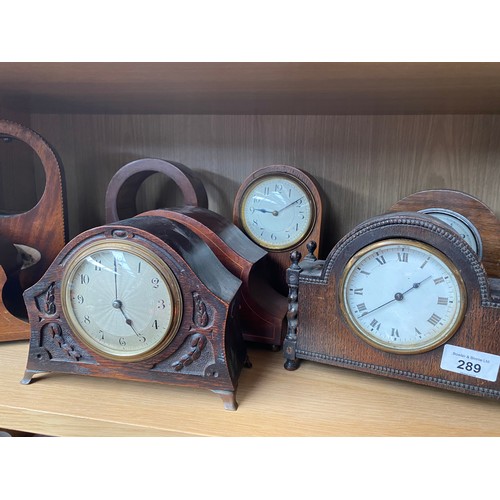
pixel 280 208
pixel 263 309
pixel 142 299
pixel 31 240
pixel 402 296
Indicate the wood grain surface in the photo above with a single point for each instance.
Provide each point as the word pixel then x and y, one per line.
pixel 316 400
pixel 253 88
pixel 363 164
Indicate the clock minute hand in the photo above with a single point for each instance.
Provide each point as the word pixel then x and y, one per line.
pixel 397 296
pixel 116 274
pixel 289 205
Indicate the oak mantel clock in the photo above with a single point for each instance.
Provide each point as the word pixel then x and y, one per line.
pixel 142 299
pixel 403 296
pixel 280 208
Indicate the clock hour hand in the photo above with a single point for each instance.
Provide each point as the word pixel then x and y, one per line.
pixel 117 304
pixel 265 211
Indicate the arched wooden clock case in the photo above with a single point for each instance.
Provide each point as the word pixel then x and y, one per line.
pixel 319 330
pixel 206 350
pixel 263 309
pixel 280 208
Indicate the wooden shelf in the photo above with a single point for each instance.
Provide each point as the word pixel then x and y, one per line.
pixel 315 400
pixel 370 133
pixel 252 88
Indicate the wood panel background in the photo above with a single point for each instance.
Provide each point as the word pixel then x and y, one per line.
pixel 363 164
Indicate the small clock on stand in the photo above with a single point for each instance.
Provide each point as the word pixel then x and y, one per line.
pixel 31 240
pixel 142 299
pixel 279 207
pixel 402 296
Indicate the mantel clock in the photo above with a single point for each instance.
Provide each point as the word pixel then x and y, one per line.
pixel 403 296
pixel 142 299
pixel 279 207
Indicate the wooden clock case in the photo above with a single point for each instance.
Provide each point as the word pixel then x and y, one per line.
pixel 208 350
pixel 121 194
pixel 263 309
pixel 317 330
pixel 479 214
pixel 42 228
pixel 279 260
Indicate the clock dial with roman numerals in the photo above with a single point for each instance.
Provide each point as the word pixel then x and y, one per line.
pixel 402 296
pixel 121 301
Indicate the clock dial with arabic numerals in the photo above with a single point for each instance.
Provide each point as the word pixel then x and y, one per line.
pixel 277 212
pixel 121 301
pixel 402 296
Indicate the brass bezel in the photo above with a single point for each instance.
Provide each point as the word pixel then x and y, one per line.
pixel 417 348
pixel 304 188
pixel 153 260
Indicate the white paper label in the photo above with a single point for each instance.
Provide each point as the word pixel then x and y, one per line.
pixel 472 363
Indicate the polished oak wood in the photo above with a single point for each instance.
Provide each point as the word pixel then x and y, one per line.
pixel 318 331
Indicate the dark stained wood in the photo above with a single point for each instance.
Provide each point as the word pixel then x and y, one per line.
pixel 263 310
pixel 202 280
pixel 279 259
pixel 122 190
pixel 318 332
pixel 483 218
pixel 43 227
pixel 311 88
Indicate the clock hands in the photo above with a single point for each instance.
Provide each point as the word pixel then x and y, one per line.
pixel 118 304
pixel 265 211
pixel 397 296
pixel 290 204
pixel 277 212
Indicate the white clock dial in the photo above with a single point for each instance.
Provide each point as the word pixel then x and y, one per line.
pixel 402 296
pixel 119 302
pixel 277 212
pixel 461 225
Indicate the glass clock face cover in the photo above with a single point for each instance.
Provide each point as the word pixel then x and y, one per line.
pixel 277 212
pixel 402 296
pixel 121 300
pixel 461 225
